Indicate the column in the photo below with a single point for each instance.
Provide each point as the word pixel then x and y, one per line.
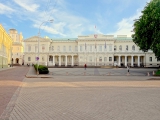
pixel 132 61
pixel 119 60
pixel 59 60
pixel 53 61
pixel 72 61
pixel 138 61
pixel 66 61
pixel 125 60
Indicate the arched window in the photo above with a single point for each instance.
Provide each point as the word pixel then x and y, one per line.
pixel 100 59
pixel 120 47
pixel 126 47
pixel 133 48
pixel 115 48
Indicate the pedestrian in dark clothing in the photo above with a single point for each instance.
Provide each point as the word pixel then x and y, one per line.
pixel 85 66
pixel 128 68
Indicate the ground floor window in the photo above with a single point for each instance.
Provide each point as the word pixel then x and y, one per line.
pixel 150 59
pixel 100 59
pixel 110 58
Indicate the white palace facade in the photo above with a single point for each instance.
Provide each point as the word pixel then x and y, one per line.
pixel 99 50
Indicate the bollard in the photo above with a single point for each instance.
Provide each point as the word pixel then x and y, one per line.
pixel 148 74
pixel 153 73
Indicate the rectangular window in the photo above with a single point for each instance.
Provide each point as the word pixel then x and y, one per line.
pixel 150 59
pixel 29 58
pixel 52 48
pixel 29 48
pixel 90 58
pixel 75 48
pixel 110 48
pixel 100 48
pixel 69 48
pixel 158 59
pixel 110 58
pixel 133 59
pixel 80 48
pixel 36 48
pixel 64 48
pixel 90 47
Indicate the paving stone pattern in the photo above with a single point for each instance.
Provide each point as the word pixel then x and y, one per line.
pixel 87 98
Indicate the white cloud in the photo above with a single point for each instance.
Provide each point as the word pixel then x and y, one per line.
pixel 5 9
pixel 27 4
pixel 125 26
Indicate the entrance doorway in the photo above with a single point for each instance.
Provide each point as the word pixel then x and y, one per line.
pixel 17 60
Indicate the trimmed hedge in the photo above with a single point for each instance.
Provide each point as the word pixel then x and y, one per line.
pixel 157 73
pixel 42 69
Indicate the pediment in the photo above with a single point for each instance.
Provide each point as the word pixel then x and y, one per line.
pixel 36 38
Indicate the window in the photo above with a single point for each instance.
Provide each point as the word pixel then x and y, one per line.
pixel 133 48
pixel 90 47
pixel 58 49
pixel 52 48
pixel 90 58
pixel 115 48
pixel 158 59
pixel 36 48
pixel 120 47
pixel 75 48
pixel 133 59
pixel 43 48
pixel 127 58
pixel 100 59
pixel 69 48
pixel 126 47
pixel 110 48
pixel 42 58
pixel 29 48
pixel 110 58
pixel 105 58
pixel 29 58
pixel 80 48
pixel 64 48
pixel 115 59
pixel 100 47
pixel 150 59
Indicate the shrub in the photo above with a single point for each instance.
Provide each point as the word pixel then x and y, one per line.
pixel 42 69
pixel 157 73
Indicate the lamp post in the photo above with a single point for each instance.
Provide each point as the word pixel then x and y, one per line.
pixel 38 41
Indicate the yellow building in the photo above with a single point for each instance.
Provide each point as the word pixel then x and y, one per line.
pixel 17 47
pixel 5 48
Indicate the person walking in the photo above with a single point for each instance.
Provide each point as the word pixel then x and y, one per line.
pixel 128 68
pixel 85 66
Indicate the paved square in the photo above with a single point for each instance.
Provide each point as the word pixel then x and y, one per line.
pixel 88 98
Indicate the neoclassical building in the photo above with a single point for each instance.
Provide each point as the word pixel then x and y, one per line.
pixel 93 50
pixel 5 48
pixel 17 47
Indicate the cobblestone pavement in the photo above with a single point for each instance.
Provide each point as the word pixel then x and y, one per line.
pixel 10 80
pixel 88 98
pixel 101 72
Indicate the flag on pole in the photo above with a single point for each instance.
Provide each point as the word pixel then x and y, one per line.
pixel 85 46
pixel 95 45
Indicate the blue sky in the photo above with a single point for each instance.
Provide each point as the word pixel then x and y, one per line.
pixel 71 17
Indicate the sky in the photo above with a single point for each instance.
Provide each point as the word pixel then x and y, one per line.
pixel 71 18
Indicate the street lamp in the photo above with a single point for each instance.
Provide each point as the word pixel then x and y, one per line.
pixel 38 40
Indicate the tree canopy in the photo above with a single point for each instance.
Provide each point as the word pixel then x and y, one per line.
pixel 147 28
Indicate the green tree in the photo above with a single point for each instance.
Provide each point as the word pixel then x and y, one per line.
pixel 147 28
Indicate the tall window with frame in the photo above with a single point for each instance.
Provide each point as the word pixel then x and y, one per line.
pixel 29 58
pixel 110 59
pixel 64 48
pixel 100 48
pixel 110 47
pixel 133 48
pixel 43 48
pixel 90 48
pixel 75 48
pixel 81 48
pixel 150 59
pixel 29 48
pixel 100 59
pixel 115 48
pixel 70 48
pixel 58 48
pixel 126 47
pixel 36 48
pixel 52 48
pixel 120 47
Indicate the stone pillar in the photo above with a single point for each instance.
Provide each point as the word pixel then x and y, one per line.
pixel 66 61
pixel 53 61
pixel 138 61
pixel 125 60
pixel 119 61
pixel 72 61
pixel 59 60
pixel 132 61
